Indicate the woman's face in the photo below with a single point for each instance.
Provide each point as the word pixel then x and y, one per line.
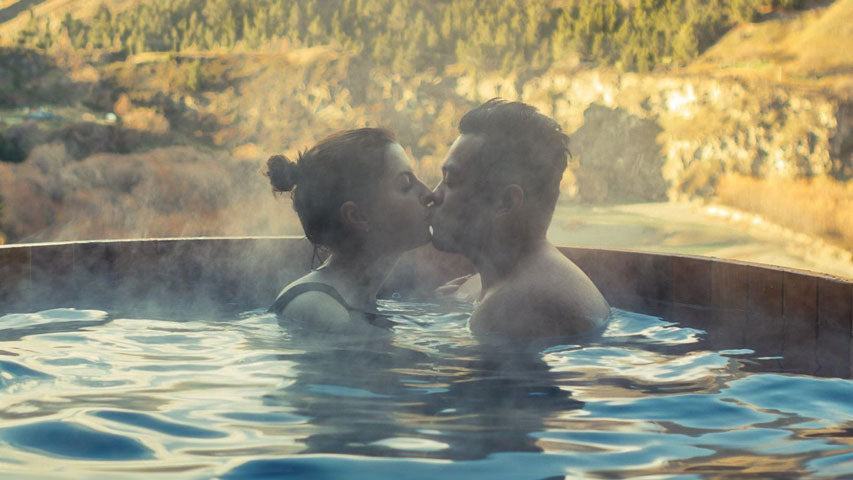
pixel 398 214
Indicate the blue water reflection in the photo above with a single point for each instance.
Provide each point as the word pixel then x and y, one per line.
pixel 66 439
pixel 107 396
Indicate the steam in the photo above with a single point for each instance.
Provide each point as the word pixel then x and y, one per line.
pixel 166 192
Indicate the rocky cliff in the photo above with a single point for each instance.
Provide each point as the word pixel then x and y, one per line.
pixel 674 136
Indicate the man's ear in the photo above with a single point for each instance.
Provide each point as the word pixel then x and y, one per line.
pixel 512 199
pixel 352 216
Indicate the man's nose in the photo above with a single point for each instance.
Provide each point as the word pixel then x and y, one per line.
pixel 436 196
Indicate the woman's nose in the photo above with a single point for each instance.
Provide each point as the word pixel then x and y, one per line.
pixel 424 193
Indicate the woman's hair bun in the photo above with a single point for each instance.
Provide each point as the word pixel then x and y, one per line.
pixel 283 173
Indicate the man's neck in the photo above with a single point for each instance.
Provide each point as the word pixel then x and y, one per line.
pixel 500 259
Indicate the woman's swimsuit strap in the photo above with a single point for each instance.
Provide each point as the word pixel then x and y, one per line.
pixel 285 298
pixel 375 319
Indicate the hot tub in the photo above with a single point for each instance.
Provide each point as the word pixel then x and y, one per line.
pixel 154 357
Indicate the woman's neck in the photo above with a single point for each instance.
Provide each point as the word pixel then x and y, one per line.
pixel 358 277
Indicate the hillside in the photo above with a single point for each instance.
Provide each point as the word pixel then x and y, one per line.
pixel 413 35
pixel 14 14
pixel 811 49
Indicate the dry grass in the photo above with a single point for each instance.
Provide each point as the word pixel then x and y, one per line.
pixel 825 45
pixel 814 48
pixel 821 206
pixel 165 192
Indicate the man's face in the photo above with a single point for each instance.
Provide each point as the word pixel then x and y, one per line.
pixel 460 213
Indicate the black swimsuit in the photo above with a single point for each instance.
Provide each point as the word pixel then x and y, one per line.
pixel 373 318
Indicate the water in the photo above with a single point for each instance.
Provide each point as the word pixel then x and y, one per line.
pixel 87 394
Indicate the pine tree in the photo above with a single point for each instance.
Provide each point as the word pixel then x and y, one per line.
pixel 229 30
pixel 685 45
pixel 101 34
pixel 447 24
pixel 30 32
pixel 316 33
pixel 294 21
pixel 743 10
pixel 398 19
pixel 383 52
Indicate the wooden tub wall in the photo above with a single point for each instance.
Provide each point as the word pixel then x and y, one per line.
pixel 806 318
pixel 154 275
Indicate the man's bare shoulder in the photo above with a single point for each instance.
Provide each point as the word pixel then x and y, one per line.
pixel 555 274
pixel 547 296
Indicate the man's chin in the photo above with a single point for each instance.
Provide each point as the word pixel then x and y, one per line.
pixel 424 240
pixel 442 245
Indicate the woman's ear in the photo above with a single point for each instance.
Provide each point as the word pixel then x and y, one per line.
pixel 512 199
pixel 352 217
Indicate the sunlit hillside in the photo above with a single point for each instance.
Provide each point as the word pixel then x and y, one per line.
pixel 14 14
pixel 810 49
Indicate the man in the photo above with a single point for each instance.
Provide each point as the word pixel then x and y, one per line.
pixel 501 180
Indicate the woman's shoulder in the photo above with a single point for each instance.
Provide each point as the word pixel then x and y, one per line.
pixel 309 301
pixel 317 308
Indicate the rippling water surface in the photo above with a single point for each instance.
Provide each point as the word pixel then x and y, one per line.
pixel 88 394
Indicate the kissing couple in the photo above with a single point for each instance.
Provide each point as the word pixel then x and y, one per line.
pixel 356 194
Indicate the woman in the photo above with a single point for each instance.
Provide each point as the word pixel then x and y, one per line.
pixel 355 194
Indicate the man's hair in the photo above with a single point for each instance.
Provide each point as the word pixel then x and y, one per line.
pixel 522 146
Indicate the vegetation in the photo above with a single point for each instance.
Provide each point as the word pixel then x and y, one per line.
pixel 413 35
pixel 819 206
pixel 11 151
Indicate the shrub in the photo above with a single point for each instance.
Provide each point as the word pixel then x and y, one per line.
pixel 819 206
pixel 11 151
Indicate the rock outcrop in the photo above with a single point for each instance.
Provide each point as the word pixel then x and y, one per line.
pixel 707 126
pixel 617 157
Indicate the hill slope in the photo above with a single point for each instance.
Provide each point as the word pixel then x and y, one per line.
pixel 15 13
pixel 814 48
